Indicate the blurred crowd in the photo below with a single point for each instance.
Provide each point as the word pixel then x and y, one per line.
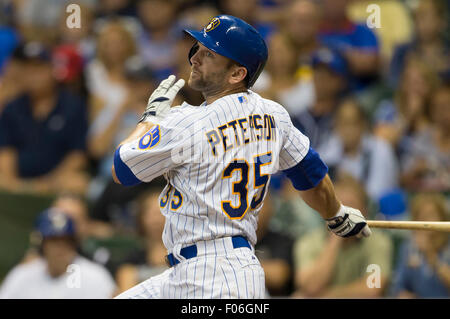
pixel 370 88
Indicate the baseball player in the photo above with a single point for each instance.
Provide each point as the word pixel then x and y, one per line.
pixel 218 158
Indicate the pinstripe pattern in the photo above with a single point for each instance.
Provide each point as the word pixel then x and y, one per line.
pixel 186 158
pixel 237 274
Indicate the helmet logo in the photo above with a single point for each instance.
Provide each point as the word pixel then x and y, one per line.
pixel 212 24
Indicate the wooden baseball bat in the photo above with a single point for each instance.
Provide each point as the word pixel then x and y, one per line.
pixel 412 225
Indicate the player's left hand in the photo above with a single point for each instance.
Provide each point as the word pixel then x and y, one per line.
pixel 161 99
pixel 349 222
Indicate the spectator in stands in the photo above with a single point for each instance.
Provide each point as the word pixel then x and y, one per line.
pixel 68 70
pixel 426 165
pixel 9 39
pixel 150 261
pixel 248 11
pixel 395 23
pixel 280 73
pixel 60 273
pixel 330 82
pixel 274 251
pixel 157 42
pixel 76 207
pixel 137 80
pixel 423 268
pixel 82 39
pixel 288 75
pixel 406 115
pixel 428 45
pixel 42 133
pixel 87 230
pixel 12 77
pixel 114 8
pixel 107 85
pixel 369 159
pixel 328 266
pixel 301 24
pixel 37 20
pixel 356 42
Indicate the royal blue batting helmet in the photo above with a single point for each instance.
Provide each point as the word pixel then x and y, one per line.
pixel 235 39
pixel 54 223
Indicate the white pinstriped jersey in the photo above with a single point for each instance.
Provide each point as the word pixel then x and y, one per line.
pixel 217 160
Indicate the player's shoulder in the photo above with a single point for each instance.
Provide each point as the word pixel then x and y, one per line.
pixel 184 112
pixel 271 106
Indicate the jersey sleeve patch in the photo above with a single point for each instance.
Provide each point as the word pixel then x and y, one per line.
pixel 308 172
pixel 150 139
pixel 123 172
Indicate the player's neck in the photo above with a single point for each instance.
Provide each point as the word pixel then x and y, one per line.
pixel 211 97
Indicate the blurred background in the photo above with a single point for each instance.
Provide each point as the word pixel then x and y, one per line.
pixel 369 85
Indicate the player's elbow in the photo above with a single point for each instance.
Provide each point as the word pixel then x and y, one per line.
pixel 121 173
pixel 308 173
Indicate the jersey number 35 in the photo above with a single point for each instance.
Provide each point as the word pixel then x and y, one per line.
pixel 240 187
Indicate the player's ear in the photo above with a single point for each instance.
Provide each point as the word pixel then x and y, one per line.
pixel 238 74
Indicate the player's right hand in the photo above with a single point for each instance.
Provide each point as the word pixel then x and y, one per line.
pixel 349 222
pixel 160 101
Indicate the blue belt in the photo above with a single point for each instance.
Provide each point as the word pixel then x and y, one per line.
pixel 191 251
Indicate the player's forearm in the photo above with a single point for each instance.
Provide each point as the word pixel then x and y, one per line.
pixel 322 198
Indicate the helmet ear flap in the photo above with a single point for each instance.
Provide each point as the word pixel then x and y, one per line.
pixel 192 51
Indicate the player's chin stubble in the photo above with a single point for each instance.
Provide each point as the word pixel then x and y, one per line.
pixel 207 85
pixel 196 81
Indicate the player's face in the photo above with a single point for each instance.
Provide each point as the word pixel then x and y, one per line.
pixel 209 71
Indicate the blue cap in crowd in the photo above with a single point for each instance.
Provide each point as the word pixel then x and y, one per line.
pixel 37 51
pixel 395 202
pixel 54 223
pixel 332 59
